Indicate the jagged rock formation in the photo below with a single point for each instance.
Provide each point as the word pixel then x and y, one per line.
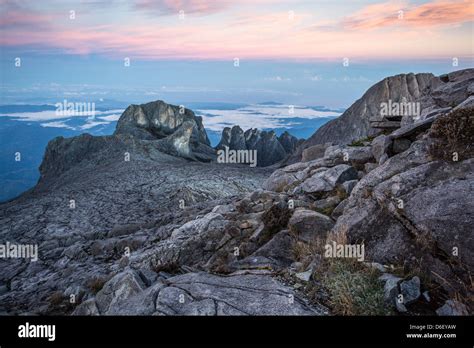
pixel 157 120
pixel 289 142
pixel 181 133
pixel 109 208
pixel 130 229
pixel 270 148
pixel 408 207
pixel 436 95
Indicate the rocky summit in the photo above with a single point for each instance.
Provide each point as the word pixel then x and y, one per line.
pixel 270 148
pixel 364 118
pixel 372 215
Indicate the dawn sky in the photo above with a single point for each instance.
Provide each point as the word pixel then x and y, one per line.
pixel 186 49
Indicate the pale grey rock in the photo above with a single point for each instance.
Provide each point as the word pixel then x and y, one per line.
pixel 390 287
pixel 359 154
pixel 455 90
pixel 338 211
pixel 308 224
pixel 313 152
pixel 269 149
pixel 452 308
pixel 325 180
pixel 431 92
pixel 468 103
pixel 436 205
pixel 426 296
pixel 141 303
pixel 410 289
pixel 179 131
pixel 349 185
pixel 368 167
pixel 339 174
pixel 241 294
pixel 118 290
pixel 277 250
pixel 280 181
pixel 383 159
pixel 352 155
pixel 380 146
pixel 315 184
pixel 414 129
pixel 225 139
pixel 400 306
pixel 304 276
pixel 87 308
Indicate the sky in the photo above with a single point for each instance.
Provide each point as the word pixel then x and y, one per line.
pixel 306 52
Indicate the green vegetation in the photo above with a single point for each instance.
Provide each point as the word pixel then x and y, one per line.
pixel 353 289
pixel 360 142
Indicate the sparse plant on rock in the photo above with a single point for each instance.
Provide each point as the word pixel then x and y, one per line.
pixel 453 136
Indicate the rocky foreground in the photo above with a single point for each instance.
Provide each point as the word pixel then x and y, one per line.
pixel 146 222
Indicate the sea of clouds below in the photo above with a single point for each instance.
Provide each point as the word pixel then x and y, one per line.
pixel 215 120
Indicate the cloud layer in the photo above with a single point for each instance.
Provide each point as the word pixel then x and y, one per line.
pixel 258 29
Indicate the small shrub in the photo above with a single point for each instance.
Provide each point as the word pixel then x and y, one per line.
pixel 360 142
pixel 304 252
pixel 221 263
pixel 353 289
pixel 56 299
pixel 96 284
pixel 276 218
pixel 453 133
pixel 168 267
pixel 326 211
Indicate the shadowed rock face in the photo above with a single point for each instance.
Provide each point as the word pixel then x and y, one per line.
pixel 177 130
pixel 288 142
pixel 154 126
pixel 270 148
pixel 157 120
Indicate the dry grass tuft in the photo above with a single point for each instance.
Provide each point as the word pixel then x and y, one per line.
pixel 452 134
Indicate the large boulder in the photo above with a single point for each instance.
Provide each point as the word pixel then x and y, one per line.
pixel 207 294
pixel 411 208
pixel 354 124
pixel 313 152
pixel 326 179
pixel 118 290
pixel 307 224
pixel 435 95
pixel 156 120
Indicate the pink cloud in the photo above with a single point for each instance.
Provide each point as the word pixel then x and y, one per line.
pixel 249 35
pixel 188 6
pixel 436 13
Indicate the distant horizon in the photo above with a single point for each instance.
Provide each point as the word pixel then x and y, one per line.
pixel 182 51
